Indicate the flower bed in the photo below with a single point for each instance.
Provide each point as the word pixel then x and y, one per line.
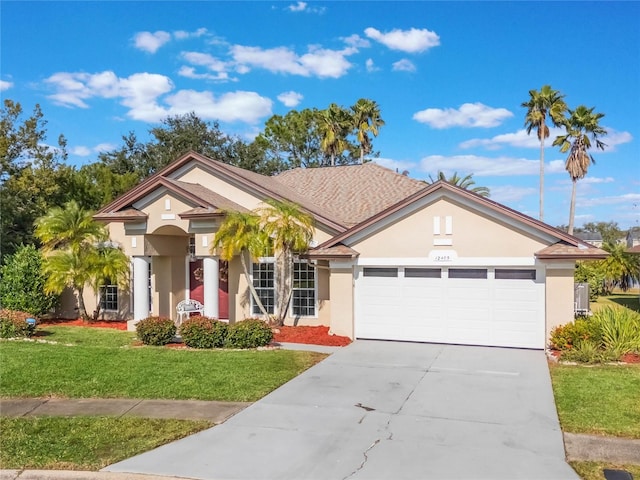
pixel 309 335
pixel 117 324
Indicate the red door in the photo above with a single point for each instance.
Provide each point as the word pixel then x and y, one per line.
pixel 196 286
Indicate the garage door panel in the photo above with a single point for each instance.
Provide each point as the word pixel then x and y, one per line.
pixel 474 311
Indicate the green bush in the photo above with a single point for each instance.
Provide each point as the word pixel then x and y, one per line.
pixel 13 323
pixel 588 351
pixel 203 332
pixel 566 337
pixel 250 333
pixel 620 329
pixel 22 283
pixel 156 330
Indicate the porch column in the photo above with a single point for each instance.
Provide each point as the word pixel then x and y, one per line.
pixel 140 288
pixel 211 284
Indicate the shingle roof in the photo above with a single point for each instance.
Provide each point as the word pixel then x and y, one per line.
pixel 339 251
pixel 563 250
pixel 208 197
pixel 350 193
pixel 127 215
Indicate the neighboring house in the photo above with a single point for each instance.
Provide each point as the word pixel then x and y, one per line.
pixel 392 257
pixel 594 238
pixel 633 237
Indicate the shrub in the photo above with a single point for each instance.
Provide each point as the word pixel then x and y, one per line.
pixel 13 323
pixel 250 333
pixel 565 337
pixel 203 332
pixel 22 283
pixel 156 330
pixel 620 329
pixel 588 351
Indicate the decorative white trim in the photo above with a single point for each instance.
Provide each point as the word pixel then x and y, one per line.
pixel 436 225
pixel 448 225
pixel 458 261
pixel 443 242
pixel 167 204
pixel 134 242
pixel 168 216
pixel 205 241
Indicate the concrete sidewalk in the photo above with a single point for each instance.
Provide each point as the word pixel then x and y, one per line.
pixel 215 412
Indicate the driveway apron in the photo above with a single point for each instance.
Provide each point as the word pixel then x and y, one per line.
pixel 386 410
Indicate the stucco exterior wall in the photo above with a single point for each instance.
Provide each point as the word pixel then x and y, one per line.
pixel 559 297
pixel 341 305
pixel 473 235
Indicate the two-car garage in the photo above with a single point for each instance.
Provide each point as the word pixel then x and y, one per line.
pixel 486 305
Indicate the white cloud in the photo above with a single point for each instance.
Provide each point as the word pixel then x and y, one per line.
pixel 484 166
pixel 410 41
pixel 190 72
pixel 404 65
pixel 183 35
pixel 297 7
pixel 468 115
pixel 510 193
pixel 151 42
pixel 521 139
pixel 236 106
pixel 4 85
pixel 80 151
pixel 371 67
pixel 304 7
pixel 141 93
pixel 317 62
pixel 357 41
pixel 627 198
pixel 515 139
pixel 104 147
pixel 615 138
pixel 291 98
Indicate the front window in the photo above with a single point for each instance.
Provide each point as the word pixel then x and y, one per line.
pixel 109 297
pixel 264 283
pixel 303 303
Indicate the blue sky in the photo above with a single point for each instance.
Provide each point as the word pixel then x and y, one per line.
pixel 449 77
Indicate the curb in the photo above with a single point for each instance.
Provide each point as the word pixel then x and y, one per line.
pixel 77 475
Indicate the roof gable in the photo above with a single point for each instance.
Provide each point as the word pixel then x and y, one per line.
pixel 489 208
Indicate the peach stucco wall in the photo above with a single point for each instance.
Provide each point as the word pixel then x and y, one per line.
pixel 473 235
pixel 559 296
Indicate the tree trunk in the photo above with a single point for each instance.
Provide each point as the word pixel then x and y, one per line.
pixel 82 309
pixel 333 160
pixel 284 264
pixel 572 209
pixel 361 156
pixel 252 289
pixel 542 179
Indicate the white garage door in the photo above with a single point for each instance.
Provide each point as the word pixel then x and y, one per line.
pixel 471 306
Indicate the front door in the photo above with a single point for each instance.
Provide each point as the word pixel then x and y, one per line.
pixel 196 286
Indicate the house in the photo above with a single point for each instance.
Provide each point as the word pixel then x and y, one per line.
pixel 633 237
pixel 392 257
pixel 594 238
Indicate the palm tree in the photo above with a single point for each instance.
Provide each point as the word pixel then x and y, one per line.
pixel 466 182
pixel 366 119
pixel 581 124
pixel 334 126
pixel 546 101
pixel 76 253
pixel 621 268
pixel 290 230
pixel 241 234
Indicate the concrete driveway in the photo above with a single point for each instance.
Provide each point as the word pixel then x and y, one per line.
pixel 386 410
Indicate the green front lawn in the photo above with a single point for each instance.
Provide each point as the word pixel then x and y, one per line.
pixel 88 362
pixel 594 470
pixel 84 443
pixel 602 400
pixel 630 300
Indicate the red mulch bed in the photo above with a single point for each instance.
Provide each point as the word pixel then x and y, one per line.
pixel 309 335
pixel 287 334
pixel 117 324
pixel 630 358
